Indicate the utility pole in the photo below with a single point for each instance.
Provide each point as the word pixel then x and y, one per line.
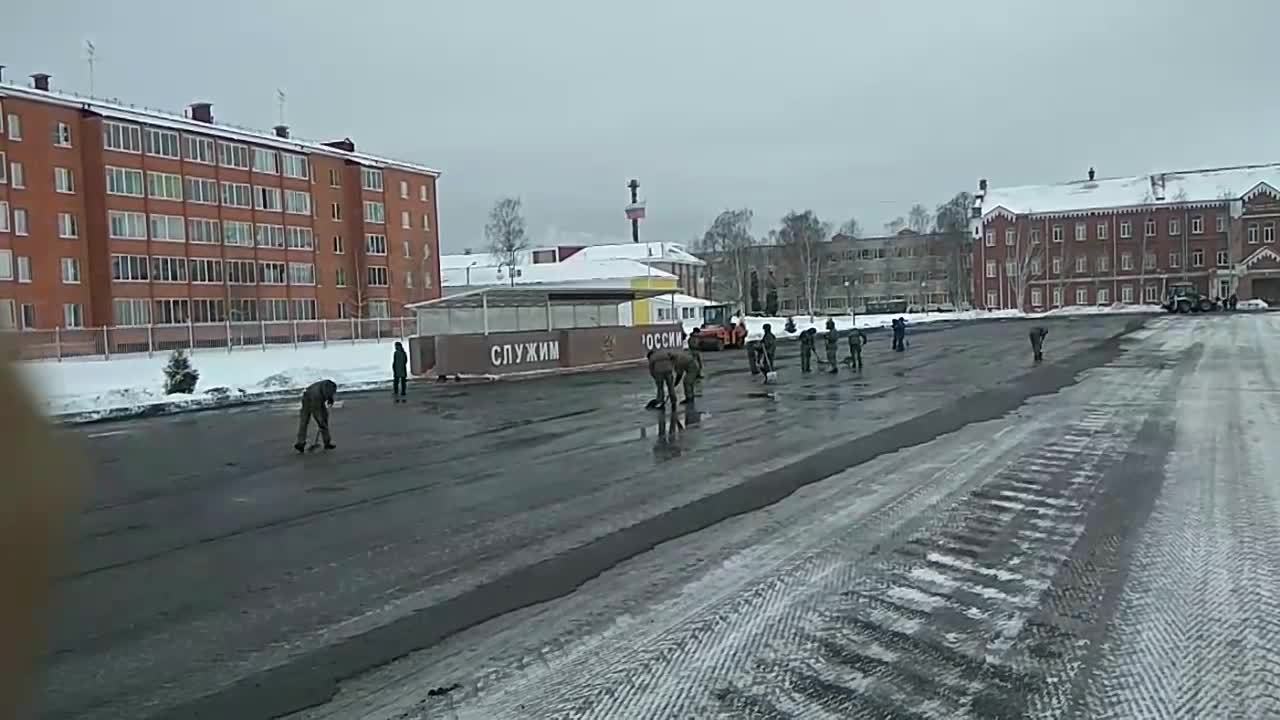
pixel 89 52
pixel 635 211
pixel 280 98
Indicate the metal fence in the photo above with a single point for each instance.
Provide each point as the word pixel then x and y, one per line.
pixel 104 342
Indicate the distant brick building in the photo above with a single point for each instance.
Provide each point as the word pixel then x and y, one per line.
pixel 1099 241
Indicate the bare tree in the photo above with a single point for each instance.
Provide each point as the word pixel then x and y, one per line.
pixel 852 228
pixel 803 240
pixel 729 237
pixel 506 235
pixel 952 220
pixel 894 226
pixel 919 219
pixel 1027 260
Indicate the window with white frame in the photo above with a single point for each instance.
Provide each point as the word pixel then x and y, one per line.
pixel 405 222
pixel 1057 297
pixel 169 228
pixel 202 190
pixel 1175 260
pixel 205 271
pixel 1175 226
pixel 1082 232
pixel 378 309
pixel 237 232
pixel 408 279
pixel 297 202
pixel 1104 263
pixel 198 149
pixel 404 189
pixel 72 315
pixel 70 270
pixel 1010 269
pixel 242 310
pixel 4 216
pixel 266 161
pixel 237 195
pixel 426 221
pixel 266 198
pixel 1269 232
pixel 991 268
pixel 1102 230
pixel 335 178
pixel 269 236
pixel 164 186
pixel 299 238
pixel 408 253
pixel 1037 297
pixel 1221 223
pixel 1126 294
pixel 24 269
pixel 233 155
pixel 175 311
pixel 4 168
pixel 993 299
pixel 124 181
pixel 121 137
pixel 1035 236
pixel 240 272
pixel 1104 296
pixel 377 245
pixel 335 211
pixel 1252 233
pixel 127 225
pixel 1149 261
pixel 1197 258
pixel 14 127
pixel 274 309
pixel 378 276
pixel 303 308
pixel 68 226
pixel 1151 293
pixel 340 277
pixel 1197 224
pixel 64 181
pixel 1036 267
pixel 374 212
pixel 271 273
pixel 21 225
pixel 6 264
pixel 168 269
pixel 1224 259
pixel 295 166
pixel 371 179
pixel 1149 228
pixel 1057 233
pixel 1082 263
pixel 1057 265
pixel 1126 230
pixel 1082 296
pixel 989 238
pixel 302 273
pixel 208 310
pixel 17 175
pixel 62 134
pixel 422 193
pixel 131 312
pixel 338 247
pixel 1126 261
pixel 161 143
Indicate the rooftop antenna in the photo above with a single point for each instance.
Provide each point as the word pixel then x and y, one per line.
pixel 280 98
pixel 89 51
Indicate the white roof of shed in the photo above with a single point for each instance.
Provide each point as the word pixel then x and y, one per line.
pixel 487 274
pixel 641 252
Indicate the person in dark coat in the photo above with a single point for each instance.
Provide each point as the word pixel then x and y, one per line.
pixel 668 367
pixel 769 343
pixel 832 339
pixel 856 340
pixel 694 344
pixel 1038 334
pixel 316 401
pixel 807 349
pixel 399 372
pixel 900 334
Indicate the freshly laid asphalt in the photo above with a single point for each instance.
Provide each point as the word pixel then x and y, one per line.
pixel 218 574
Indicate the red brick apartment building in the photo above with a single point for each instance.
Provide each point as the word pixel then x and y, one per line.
pixel 115 216
pixel 1099 241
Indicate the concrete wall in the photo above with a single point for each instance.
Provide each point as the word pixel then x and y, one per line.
pixel 499 353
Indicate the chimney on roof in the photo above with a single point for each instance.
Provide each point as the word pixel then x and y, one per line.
pixel 2 67
pixel 282 131
pixel 345 144
pixel 982 185
pixel 1091 173
pixel 40 81
pixel 202 112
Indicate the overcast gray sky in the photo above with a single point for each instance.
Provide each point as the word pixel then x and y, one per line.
pixel 853 109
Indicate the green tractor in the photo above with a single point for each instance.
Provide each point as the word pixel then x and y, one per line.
pixel 1183 297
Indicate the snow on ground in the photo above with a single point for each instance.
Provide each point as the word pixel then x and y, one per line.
pixel 82 389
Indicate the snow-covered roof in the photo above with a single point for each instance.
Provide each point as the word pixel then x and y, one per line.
pixel 1183 187
pixel 489 273
pixel 535 295
pixel 641 252
pixel 682 299
pixel 115 110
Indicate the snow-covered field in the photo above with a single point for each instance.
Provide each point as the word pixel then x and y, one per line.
pixel 82 390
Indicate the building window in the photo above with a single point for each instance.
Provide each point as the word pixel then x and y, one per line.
pixel 6 264
pixel 63 180
pixel 267 198
pixel 340 277
pixel 371 179
pixel 1175 260
pixel 162 143
pixel 378 309
pixel 374 212
pixel 198 149
pixel 302 274
pixel 17 175
pixel 1102 231
pixel 1104 263
pixel 28 317
pixel 422 193
pixel 1057 233
pixel 266 161
pixel 121 137
pixel 1253 233
pixel 1221 223
pixel 991 268
pixel 4 168
pixel 164 186
pixel 20 223
pixel 1126 261
pixel 24 269
pixel 131 312
pixel 337 245
pixel 1126 294
pixel 1175 227
pixel 173 312
pixel 297 202
pixel 1057 265
pixel 1126 230
pixel 15 127
pixel 1149 228
pixel 271 273
pixel 1010 237
pixel 404 189
pixel 993 299
pixel 426 221
pixel 269 236
pixel 1082 232
pixel 1151 294
pixel 232 155
pixel 205 270
pixel 378 276
pixel 1149 261
pixel 299 238
pixel 1010 270
pixel 1197 224
pixel 405 222
pixel 1223 258
pixel 62 134
pixel 303 308
pixel 377 245
pixel 127 225
pixel 1036 267
pixel 1082 296
pixel 170 228
pixel 1104 296
pixel 335 211
pixel 296 166
pixel 407 252
pixel 335 178
pixel 1035 236
pixel 123 181
pixel 1082 264
pixel 71 271
pixel 237 195
pixel 1037 297
pixel 201 190
pixel 1057 297
pixel 204 231
pixel 4 216
pixel 1269 232
pixel 68 227
pixel 274 309
pixel 208 310
pixel 408 279
pixel 168 269
pixel 989 239
pixel 73 315
pixel 241 272
pixel 238 233
pixel 1197 258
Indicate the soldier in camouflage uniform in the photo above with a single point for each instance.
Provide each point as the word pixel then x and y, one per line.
pixel 832 339
pixel 695 353
pixel 769 344
pixel 316 401
pixel 1038 334
pixel 807 349
pixel 856 341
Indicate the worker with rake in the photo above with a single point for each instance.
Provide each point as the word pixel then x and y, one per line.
pixel 316 401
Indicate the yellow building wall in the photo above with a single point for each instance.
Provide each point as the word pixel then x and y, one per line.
pixel 642 310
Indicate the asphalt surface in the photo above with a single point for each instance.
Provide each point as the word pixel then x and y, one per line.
pixel 217 574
